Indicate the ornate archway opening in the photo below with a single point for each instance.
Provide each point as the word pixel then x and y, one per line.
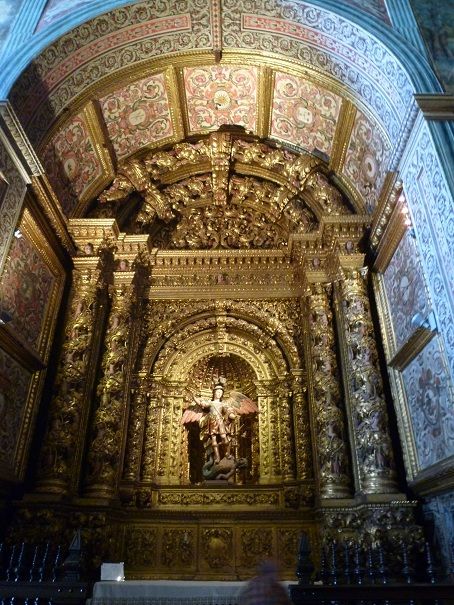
pixel 252 363
pixel 239 376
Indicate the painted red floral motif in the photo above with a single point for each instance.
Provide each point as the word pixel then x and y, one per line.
pixel 367 154
pixel 304 114
pixel 220 95
pixel 26 288
pixel 71 162
pixel 138 115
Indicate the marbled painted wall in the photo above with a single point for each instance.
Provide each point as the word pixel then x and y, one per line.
pixel 14 386
pixel 406 290
pixel 436 24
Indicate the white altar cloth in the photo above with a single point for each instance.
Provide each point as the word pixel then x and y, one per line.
pixel 166 592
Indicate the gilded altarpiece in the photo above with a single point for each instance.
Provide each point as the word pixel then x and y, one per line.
pixel 225 284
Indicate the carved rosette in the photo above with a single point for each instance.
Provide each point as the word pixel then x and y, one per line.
pixel 369 420
pixel 107 429
pixel 58 460
pixel 326 398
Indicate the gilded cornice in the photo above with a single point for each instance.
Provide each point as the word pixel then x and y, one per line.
pixel 18 137
pixel 386 201
pixel 414 345
pixel 51 207
pixel 436 106
pixel 92 231
pixel 342 136
pixel 436 479
pixel 390 240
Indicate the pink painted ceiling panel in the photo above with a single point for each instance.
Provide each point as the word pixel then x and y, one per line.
pixel 218 95
pixel 138 115
pixel 71 162
pixel 304 114
pixel 367 159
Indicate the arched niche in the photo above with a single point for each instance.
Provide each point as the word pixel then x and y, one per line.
pixel 176 368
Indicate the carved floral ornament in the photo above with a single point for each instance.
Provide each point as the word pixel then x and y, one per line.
pixel 222 192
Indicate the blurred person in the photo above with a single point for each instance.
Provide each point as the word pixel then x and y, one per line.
pixel 265 588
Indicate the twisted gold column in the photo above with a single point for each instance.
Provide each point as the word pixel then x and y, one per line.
pixel 325 398
pixel 368 420
pixel 59 463
pixel 105 452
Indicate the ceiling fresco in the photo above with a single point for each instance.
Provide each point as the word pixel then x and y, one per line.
pixel 138 115
pixel 153 75
pixel 367 159
pixel 56 9
pixel 221 94
pixel 303 114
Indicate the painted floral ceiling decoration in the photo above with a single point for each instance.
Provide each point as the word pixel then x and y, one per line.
pixel 151 76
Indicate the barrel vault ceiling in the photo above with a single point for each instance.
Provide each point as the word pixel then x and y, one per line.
pixel 151 75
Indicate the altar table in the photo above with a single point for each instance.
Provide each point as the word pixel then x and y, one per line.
pixel 167 592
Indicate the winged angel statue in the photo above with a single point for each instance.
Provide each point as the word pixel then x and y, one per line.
pixel 216 418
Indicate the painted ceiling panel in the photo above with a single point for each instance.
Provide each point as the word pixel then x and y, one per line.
pixel 138 115
pixel 367 159
pixel 327 42
pixel 221 94
pixel 304 114
pixel 71 162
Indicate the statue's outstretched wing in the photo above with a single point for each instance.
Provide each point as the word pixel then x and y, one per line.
pixel 193 413
pixel 241 403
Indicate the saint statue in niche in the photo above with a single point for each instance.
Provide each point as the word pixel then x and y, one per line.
pixel 217 418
